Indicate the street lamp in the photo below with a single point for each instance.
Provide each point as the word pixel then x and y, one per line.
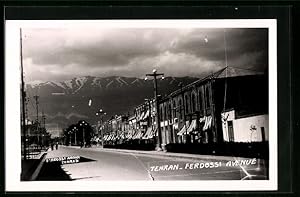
pixel 70 134
pixel 75 134
pixel 154 74
pixel 101 113
pixel 83 124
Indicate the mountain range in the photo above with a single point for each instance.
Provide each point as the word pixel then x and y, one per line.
pixel 69 101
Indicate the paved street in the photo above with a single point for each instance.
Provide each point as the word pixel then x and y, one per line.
pixel 103 164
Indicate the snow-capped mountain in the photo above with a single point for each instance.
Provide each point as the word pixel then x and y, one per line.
pixel 85 84
pixel 115 95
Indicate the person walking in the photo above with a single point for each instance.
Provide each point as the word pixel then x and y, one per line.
pixel 52 145
pixel 56 145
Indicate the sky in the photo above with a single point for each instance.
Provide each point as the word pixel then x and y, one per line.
pixel 58 54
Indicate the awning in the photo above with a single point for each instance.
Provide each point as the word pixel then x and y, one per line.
pixel 146 114
pixel 149 130
pixel 183 129
pixel 152 133
pixel 138 134
pixel 122 135
pixel 113 137
pixel 202 120
pixel 192 126
pixel 207 125
pixel 105 137
pixel 108 137
pixel 117 136
pixel 130 134
pixel 141 116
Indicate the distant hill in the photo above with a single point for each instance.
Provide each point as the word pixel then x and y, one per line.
pixel 67 102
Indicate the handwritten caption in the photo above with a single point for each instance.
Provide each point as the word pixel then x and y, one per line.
pixel 64 160
pixel 202 165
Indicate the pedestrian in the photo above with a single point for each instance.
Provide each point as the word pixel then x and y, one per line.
pixel 56 145
pixel 52 145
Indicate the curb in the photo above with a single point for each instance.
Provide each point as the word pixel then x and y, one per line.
pixel 177 155
pixel 169 154
pixel 38 169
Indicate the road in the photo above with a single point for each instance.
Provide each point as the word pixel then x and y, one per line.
pixel 102 164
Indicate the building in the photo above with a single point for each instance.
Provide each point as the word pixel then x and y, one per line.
pixel 138 128
pixel 228 105
pixel 145 120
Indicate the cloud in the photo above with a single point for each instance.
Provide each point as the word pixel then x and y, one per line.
pixel 98 48
pixel 60 54
pixel 234 42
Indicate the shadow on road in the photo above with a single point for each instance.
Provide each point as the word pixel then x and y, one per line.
pixel 28 167
pixel 52 171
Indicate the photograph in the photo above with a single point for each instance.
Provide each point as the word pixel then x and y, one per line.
pixel 178 103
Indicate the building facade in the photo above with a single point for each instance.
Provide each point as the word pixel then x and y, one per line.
pixel 230 105
pixel 197 113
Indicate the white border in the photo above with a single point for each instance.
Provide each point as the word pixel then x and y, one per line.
pixel 12 110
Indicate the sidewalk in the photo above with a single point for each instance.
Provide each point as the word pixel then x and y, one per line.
pixel 168 154
pixel 32 166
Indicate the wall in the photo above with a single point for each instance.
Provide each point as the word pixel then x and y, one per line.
pixel 242 127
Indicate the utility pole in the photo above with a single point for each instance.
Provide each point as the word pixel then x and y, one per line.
pixel 36 97
pixel 155 75
pixel 101 113
pixel 44 127
pixel 26 109
pixel 23 94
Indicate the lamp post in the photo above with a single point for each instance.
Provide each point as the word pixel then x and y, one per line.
pixel 101 113
pixel 83 124
pixel 155 75
pixel 75 134
pixel 70 134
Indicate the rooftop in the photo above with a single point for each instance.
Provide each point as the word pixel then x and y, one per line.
pixel 226 72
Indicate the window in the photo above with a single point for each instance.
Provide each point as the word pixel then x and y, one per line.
pixel 181 109
pixel 186 104
pixel 170 111
pixel 174 109
pixel 207 99
pixel 166 113
pixel 200 100
pixel 161 113
pixel 194 103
